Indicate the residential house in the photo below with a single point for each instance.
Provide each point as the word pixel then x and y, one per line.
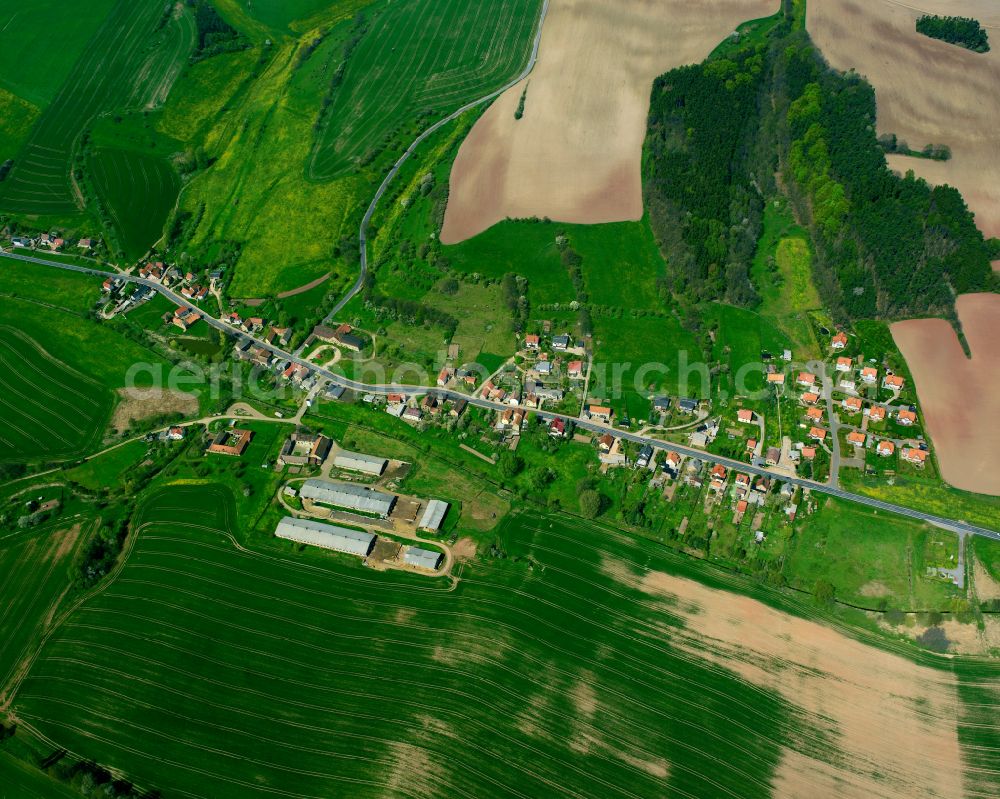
pixel 575 369
pixel 806 379
pixel 431 405
pixel 412 415
pixel 614 455
pixel 809 397
pixel 561 343
pixel 601 412
pixel 687 405
pixel 856 438
pixel 817 434
pixel 839 341
pixel 814 414
pixel 742 481
pixel 458 407
pixel 234 319
pixel 776 378
pixel 914 455
pixel 869 375
pixel 445 375
pixel 175 433
pixel 847 384
pixel 719 472
pixel 672 462
pixel 852 404
pixel 395 398
pixel 532 342
pixel 808 453
pixel 488 386
pixel 557 428
pixel 876 413
pixel 844 364
pixel 253 324
pixel 751 444
pixel 885 448
pixel 85 244
pixel 745 416
pixel 644 457
pixel 773 456
pixel 892 382
pixel 543 368
pixel 905 417
pixel 786 355
pixel 605 442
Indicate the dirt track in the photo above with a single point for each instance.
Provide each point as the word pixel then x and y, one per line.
pixel 928 91
pixel 959 397
pixel 575 154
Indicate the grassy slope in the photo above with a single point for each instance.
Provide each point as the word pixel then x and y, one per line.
pixel 426 55
pixel 34 574
pixel 50 410
pixel 104 78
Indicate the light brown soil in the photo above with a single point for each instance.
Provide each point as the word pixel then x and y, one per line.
pixel 856 692
pixel 928 91
pixel 137 404
pixel 575 154
pixel 464 549
pixel 959 397
pixel 986 587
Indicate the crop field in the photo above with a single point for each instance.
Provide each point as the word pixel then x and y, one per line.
pixel 426 55
pixel 124 66
pixel 565 669
pixel 49 409
pixel 139 190
pixel 34 574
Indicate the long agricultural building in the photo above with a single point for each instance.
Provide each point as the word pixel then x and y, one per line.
pixel 359 462
pixel 327 536
pixel 433 515
pixel 423 558
pixel 349 497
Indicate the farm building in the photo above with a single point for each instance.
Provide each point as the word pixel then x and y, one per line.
pixel 327 536
pixel 433 515
pixel 424 558
pixel 232 441
pixel 359 462
pixel 351 497
pixel 302 448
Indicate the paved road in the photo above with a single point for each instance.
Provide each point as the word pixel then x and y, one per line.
pixel 363 232
pixel 958 526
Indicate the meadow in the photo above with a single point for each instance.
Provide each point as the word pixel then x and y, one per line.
pixel 139 191
pixel 421 58
pixel 581 662
pixel 50 410
pixel 123 67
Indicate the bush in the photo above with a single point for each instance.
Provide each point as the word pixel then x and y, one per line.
pixel 934 639
pixel 591 504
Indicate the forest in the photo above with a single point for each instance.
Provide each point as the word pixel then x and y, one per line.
pixel 963 31
pixel 886 246
pixel 704 203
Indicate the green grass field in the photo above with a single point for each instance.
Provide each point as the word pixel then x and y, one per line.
pixel 24 781
pixel 867 557
pixel 417 57
pixel 50 410
pixel 740 338
pixel 139 190
pixel 124 66
pixel 34 575
pixel 41 41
